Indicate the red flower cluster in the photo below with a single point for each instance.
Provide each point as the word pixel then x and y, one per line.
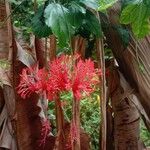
pixel 32 80
pixel 84 77
pixel 66 73
pixel 58 77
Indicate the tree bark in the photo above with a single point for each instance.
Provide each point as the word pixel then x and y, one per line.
pixel 4 41
pixel 52 47
pixel 129 60
pixel 7 101
pixel 40 49
pixel 75 125
pixel 103 91
pixel 126 115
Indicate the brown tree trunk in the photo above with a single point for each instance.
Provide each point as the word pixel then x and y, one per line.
pixel 110 129
pixel 40 50
pixel 60 139
pixel 7 100
pixel 4 40
pixel 130 59
pixel 126 115
pixel 76 124
pixel 78 45
pixel 52 47
pixel 30 113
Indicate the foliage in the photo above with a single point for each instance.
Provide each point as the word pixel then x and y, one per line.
pixel 4 64
pixel 76 15
pixel 124 34
pixel 90 118
pixel 57 19
pixel 104 4
pixel 90 3
pixel 90 112
pixel 92 24
pixel 145 135
pixel 137 13
pixel 14 2
pixel 38 24
pixel 66 18
pixel 22 15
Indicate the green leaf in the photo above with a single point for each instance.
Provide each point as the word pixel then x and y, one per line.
pixel 105 4
pixel 77 14
pixel 14 1
pixel 138 15
pixel 124 35
pixel 147 2
pixel 77 7
pixel 142 28
pixel 129 13
pixel 124 3
pixel 56 17
pixel 92 24
pixel 90 3
pixel 39 28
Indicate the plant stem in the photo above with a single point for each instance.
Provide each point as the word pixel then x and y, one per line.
pixel 102 94
pixel 76 125
pixel 59 143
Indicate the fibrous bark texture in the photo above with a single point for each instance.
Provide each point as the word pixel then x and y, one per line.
pixel 4 42
pixel 133 61
pixel 7 100
pixel 126 115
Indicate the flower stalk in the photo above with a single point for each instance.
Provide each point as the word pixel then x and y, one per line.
pixel 60 124
pixel 75 126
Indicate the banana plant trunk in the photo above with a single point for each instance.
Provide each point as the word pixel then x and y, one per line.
pixel 130 99
pixel 133 60
pixel 126 115
pixel 7 100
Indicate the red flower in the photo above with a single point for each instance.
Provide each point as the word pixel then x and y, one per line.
pixel 59 77
pixel 66 74
pixel 45 131
pixel 59 73
pixel 32 80
pixel 83 78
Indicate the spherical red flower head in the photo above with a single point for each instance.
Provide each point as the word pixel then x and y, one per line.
pixel 32 80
